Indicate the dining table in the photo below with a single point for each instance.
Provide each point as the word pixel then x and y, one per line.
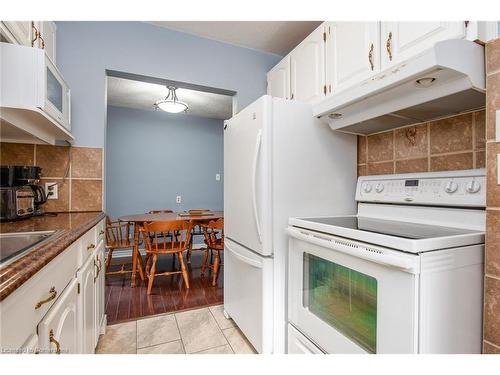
pixel 139 219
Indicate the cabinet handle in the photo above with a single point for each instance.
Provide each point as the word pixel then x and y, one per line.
pixel 291 97
pixel 388 46
pixel 101 232
pixel 54 341
pixel 99 267
pixel 370 56
pixel 41 38
pixel 91 246
pixel 52 295
pixel 36 34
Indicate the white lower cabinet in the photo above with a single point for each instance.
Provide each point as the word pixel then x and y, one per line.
pixel 62 305
pixel 58 330
pixel 86 306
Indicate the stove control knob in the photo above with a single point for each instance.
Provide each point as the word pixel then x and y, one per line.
pixel 367 187
pixel 451 187
pixel 379 188
pixel 473 187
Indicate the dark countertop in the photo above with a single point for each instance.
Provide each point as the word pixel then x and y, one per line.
pixel 69 226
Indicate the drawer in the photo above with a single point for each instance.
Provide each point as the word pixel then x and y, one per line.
pixel 100 232
pixel 19 317
pixel 88 245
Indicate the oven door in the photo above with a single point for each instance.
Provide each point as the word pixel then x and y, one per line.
pixel 350 297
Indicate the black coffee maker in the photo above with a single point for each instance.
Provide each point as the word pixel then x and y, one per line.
pixel 21 196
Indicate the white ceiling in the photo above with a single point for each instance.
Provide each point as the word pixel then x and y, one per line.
pixel 278 37
pixel 142 95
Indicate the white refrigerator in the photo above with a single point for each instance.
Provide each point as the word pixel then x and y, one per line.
pixel 279 161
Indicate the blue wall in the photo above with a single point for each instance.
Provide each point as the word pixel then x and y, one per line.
pixel 154 156
pixel 86 49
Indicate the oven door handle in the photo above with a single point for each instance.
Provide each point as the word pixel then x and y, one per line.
pixel 384 259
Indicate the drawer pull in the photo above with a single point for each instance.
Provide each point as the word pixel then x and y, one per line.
pixel 91 246
pixel 53 294
pixel 54 341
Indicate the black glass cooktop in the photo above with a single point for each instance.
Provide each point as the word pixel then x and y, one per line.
pixel 390 227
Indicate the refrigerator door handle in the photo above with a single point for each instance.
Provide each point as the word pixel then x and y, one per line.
pixel 242 258
pixel 254 182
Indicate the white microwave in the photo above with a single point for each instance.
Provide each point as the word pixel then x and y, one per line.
pixel 29 80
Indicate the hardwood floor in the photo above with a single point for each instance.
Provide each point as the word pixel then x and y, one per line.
pixel 124 303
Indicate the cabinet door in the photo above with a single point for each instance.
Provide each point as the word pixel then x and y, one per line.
pixel 20 30
pixel 402 40
pixel 307 67
pixel 99 290
pixel 352 53
pixel 86 305
pixel 59 328
pixel 278 80
pixel 48 39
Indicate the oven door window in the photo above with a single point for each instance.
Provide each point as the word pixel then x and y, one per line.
pixel 54 91
pixel 343 298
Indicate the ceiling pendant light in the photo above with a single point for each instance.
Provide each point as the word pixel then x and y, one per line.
pixel 171 104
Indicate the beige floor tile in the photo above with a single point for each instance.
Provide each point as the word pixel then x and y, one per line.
pixel 157 330
pixel 119 339
pixel 173 347
pixel 199 330
pixel 218 313
pixel 225 349
pixel 238 341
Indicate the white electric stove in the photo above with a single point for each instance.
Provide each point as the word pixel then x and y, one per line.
pixel 403 275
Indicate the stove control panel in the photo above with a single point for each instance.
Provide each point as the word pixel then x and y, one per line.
pixel 457 188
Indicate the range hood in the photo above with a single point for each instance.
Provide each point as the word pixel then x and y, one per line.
pixel 445 80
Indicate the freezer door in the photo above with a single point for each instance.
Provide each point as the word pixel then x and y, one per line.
pixel 248 294
pixel 246 178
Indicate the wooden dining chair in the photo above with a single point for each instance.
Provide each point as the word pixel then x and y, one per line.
pixel 197 230
pixel 158 243
pixel 118 237
pixel 214 239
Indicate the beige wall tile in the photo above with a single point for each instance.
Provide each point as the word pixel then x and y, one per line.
pixel 493 56
pixel 62 203
pixel 52 159
pixel 490 349
pixel 361 149
pixel 16 153
pixel 492 103
pixel 479 130
pixel 380 168
pixel 451 134
pixel 480 159
pixel 412 165
pixel 411 142
pixel 380 147
pixel 86 195
pixel 492 260
pixel 492 187
pixel 86 162
pixel 362 170
pixel 452 162
pixel 492 310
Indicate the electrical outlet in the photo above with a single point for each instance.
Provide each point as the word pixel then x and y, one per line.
pixel 498 169
pixel 51 190
pixel 217 177
pixel 498 125
pixel 178 199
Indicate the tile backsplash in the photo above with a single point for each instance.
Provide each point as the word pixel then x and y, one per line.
pixel 78 172
pixel 447 144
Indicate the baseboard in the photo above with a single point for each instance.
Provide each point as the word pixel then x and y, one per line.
pixel 128 253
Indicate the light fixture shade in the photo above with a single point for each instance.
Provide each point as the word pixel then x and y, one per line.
pixel 171 104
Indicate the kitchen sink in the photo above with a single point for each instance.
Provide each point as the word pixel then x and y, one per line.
pixel 15 245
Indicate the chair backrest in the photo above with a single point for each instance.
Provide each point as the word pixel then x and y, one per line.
pixel 211 230
pixel 117 232
pixel 198 210
pixel 160 212
pixel 156 235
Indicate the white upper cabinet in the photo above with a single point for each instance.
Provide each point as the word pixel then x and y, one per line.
pixel 402 40
pixel 19 32
pixel 47 38
pixel 307 67
pixel 278 80
pixel 352 53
